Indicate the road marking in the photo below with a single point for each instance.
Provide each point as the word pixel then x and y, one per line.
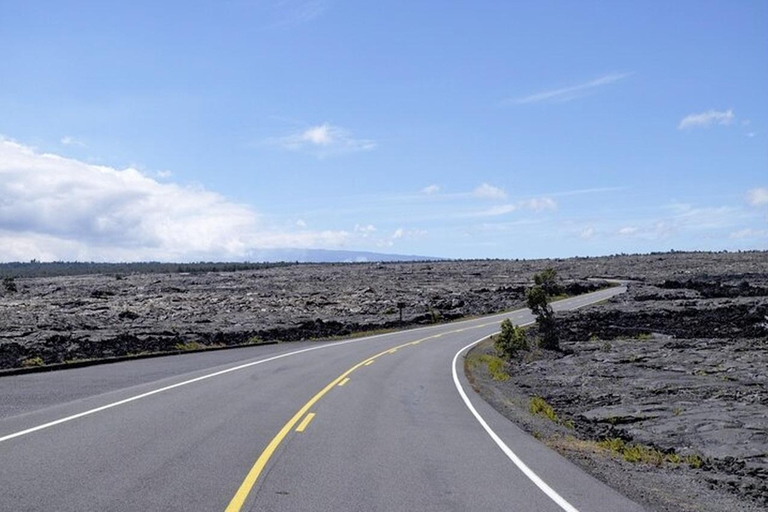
pixel 95 410
pixel 305 422
pixel 237 502
pixel 541 484
pixel 173 386
pixel 346 379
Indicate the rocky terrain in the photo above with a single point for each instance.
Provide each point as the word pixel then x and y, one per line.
pixel 662 391
pixel 51 320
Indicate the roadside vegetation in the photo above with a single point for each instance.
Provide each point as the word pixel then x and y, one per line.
pixel 512 340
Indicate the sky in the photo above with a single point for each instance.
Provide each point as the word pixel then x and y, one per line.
pixel 190 130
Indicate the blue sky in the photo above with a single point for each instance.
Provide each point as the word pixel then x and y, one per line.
pixel 209 130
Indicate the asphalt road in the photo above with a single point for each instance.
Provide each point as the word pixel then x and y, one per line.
pixel 381 423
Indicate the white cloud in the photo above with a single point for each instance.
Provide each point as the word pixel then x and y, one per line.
pixel 628 230
pixel 497 210
pixel 323 141
pixel 301 224
pixel 60 208
pixel 748 233
pixel 758 196
pixel 365 231
pixel 750 134
pixel 587 233
pixel 72 141
pixel 486 191
pixel 571 92
pixel 431 190
pixel 398 233
pixel 707 119
pixel 539 204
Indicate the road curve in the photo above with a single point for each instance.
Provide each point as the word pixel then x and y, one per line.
pixel 380 423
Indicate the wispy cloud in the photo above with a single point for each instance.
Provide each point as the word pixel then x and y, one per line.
pixel 536 204
pixel 757 196
pixel 431 190
pixel 289 13
pixel 569 93
pixel 486 191
pixel 587 233
pixel 72 141
pixel 707 119
pixel 323 141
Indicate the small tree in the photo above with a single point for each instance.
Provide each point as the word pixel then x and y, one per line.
pixel 511 340
pixel 547 279
pixel 538 302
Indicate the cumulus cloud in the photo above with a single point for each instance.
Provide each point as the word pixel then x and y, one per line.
pixel 706 119
pixel 365 230
pixel 571 92
pixel 486 191
pixel 401 234
pixel 323 141
pixel 431 190
pixel 60 208
pixel 758 196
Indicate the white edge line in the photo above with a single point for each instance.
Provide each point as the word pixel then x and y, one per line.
pixel 541 484
pixel 167 388
pixel 66 419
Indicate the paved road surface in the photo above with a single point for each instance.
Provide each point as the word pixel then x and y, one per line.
pixel 372 424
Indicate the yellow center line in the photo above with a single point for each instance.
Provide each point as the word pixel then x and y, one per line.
pixel 304 423
pixel 346 379
pixel 237 502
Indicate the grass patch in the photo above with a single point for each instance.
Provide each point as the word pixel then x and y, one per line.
pixel 642 454
pixel 494 365
pixel 32 362
pixel 540 407
pixel 190 345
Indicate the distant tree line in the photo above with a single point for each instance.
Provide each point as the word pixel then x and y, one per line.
pixel 73 268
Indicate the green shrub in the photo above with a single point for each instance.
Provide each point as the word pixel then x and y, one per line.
pixel 537 298
pixel 510 340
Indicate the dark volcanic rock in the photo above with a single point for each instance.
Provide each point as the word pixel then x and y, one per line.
pixel 677 365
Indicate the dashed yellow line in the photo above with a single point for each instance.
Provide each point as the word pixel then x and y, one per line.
pixel 237 502
pixel 305 422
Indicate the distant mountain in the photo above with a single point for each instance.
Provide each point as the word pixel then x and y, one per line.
pixel 329 256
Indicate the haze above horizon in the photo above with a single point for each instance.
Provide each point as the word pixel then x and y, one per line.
pixel 202 131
